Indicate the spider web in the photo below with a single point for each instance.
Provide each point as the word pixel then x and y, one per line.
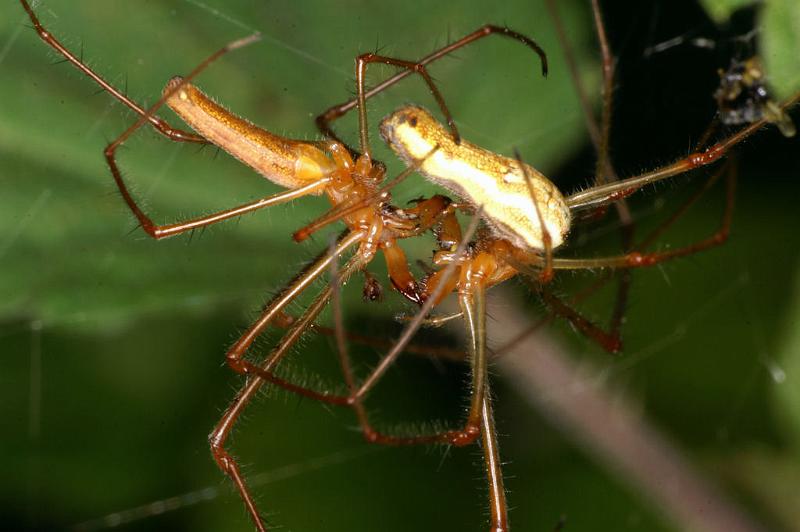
pixel 115 342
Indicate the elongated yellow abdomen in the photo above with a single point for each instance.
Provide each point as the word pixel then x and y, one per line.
pixel 286 162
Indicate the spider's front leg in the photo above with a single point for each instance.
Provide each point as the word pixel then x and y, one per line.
pixel 158 123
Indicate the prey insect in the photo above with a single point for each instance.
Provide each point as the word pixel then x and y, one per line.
pixel 743 97
pixel 744 94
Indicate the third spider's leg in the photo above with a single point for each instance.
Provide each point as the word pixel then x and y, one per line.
pixel 606 173
pixel 571 62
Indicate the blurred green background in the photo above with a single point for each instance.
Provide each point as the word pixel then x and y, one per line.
pixel 112 344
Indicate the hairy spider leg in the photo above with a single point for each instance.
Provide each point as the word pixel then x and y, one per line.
pixel 510 258
pixel 324 120
pixel 264 372
pixel 600 136
pixel 498 506
pixel 305 167
pixel 498 256
pixel 158 123
pixel 335 112
pixel 462 436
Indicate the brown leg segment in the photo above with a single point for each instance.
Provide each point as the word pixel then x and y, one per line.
pixel 498 507
pixel 159 124
pixel 357 393
pixel 611 340
pixel 600 135
pixel 221 432
pixel 325 120
pixel 236 353
pixel 636 259
pixel 163 231
pixel 175 134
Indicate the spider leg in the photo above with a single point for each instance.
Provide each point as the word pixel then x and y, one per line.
pixel 459 437
pixel 325 119
pixel 257 374
pixel 569 57
pixel 236 353
pixel 600 136
pixel 546 275
pixel 163 231
pixel 610 339
pixel 498 507
pixel 429 213
pixel 473 305
pixel 635 259
pixel 357 392
pixel 604 194
pixel 342 210
pixel 154 230
pixel 158 123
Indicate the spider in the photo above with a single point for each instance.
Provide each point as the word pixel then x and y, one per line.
pixel 353 185
pixel 526 218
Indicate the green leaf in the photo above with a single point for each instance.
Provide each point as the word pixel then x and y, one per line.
pixel 780 39
pixel 721 10
pixel 70 250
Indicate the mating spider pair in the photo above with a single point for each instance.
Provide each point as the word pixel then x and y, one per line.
pixel 360 196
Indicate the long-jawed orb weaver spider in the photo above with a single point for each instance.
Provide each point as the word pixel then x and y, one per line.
pixel 526 219
pixel 520 500
pixel 360 199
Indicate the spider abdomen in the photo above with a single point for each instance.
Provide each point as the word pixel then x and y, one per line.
pixel 515 199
